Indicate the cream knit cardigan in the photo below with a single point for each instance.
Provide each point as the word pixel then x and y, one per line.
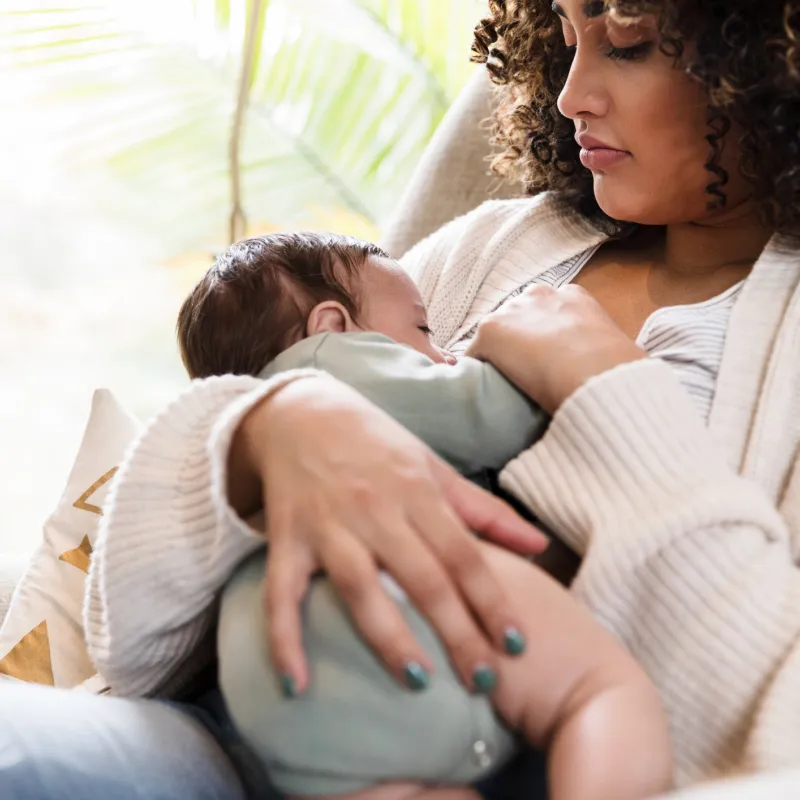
pixel 690 532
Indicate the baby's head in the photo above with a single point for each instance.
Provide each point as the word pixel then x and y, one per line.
pixel 266 293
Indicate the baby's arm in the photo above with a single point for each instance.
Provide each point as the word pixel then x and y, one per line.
pixel 468 412
pixel 580 695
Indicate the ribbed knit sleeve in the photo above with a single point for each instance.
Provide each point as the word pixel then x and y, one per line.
pixel 169 541
pixel 686 562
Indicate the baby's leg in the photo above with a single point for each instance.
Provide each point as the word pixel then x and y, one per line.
pixel 578 693
pixel 354 730
pixel 405 791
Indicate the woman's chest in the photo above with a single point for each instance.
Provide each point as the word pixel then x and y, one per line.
pixel 622 290
pixel 636 292
pixel 689 336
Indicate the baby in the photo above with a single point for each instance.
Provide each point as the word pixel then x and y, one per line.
pixel 338 304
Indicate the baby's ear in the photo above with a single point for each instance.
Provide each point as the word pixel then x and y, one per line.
pixel 329 317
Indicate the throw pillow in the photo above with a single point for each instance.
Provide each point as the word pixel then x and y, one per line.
pixel 41 638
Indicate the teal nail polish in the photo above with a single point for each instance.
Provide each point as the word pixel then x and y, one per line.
pixel 288 686
pixel 485 679
pixel 416 676
pixel 514 641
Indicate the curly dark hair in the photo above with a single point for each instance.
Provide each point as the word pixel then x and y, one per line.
pixel 746 55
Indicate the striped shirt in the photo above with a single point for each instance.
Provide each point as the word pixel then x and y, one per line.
pixel 690 338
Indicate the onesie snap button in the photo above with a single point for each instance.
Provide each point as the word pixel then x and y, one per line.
pixel 481 754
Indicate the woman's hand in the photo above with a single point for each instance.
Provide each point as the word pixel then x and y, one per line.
pixel 348 490
pixel 549 342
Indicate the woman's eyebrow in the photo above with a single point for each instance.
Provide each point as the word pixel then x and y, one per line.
pixel 591 9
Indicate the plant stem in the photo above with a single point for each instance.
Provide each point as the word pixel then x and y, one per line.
pixel 237 224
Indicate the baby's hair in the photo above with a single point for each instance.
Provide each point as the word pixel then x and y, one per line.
pixel 255 301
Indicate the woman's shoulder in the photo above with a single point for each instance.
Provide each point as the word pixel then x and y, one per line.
pixel 544 208
pixel 543 226
pixel 520 237
pixel 502 221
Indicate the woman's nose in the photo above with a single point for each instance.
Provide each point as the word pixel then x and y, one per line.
pixel 584 94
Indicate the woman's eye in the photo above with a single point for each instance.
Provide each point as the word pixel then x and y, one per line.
pixel 629 53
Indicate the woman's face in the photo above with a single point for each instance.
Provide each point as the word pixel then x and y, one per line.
pixel 641 123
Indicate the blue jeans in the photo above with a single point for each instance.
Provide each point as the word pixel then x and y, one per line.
pixel 61 744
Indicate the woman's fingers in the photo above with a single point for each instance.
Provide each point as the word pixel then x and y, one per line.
pixel 376 615
pixel 486 514
pixel 289 569
pixel 416 568
pixel 350 491
pixel 478 586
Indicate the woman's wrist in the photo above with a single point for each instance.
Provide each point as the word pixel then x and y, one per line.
pixel 244 483
pixel 550 382
pixel 245 465
pixel 565 383
pixel 549 342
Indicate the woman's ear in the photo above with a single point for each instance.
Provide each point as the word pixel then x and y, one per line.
pixel 329 317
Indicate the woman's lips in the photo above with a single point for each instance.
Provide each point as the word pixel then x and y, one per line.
pixel 599 159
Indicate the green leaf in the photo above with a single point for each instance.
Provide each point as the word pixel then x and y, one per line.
pixel 342 97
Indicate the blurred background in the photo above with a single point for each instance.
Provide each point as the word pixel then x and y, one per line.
pixel 138 137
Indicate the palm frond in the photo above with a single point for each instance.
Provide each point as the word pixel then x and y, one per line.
pixel 337 100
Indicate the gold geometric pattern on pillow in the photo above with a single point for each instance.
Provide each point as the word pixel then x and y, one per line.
pixel 52 589
pixel 79 557
pixel 81 503
pixel 29 659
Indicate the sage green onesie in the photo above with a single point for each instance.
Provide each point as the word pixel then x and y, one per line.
pixel 355 726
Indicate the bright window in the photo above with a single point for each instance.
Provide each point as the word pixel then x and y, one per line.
pixel 115 179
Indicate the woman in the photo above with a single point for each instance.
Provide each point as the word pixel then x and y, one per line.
pixel 673 476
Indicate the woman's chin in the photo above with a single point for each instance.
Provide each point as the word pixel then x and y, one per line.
pixel 624 202
pixel 622 208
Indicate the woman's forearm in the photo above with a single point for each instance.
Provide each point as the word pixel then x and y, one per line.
pixel 687 563
pixel 169 539
pixel 244 484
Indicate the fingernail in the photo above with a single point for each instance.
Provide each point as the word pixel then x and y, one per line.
pixel 484 679
pixel 288 686
pixel 514 641
pixel 416 676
